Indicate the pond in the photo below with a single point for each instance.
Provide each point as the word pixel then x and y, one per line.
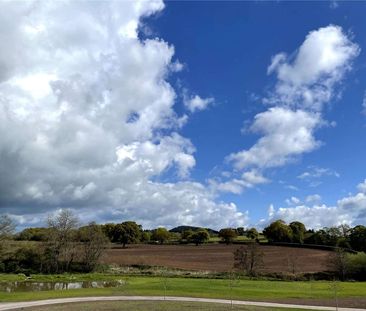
pixel 30 286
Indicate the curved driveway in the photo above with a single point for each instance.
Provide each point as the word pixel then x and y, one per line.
pixel 25 304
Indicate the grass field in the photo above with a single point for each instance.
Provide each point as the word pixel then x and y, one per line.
pixel 151 306
pixel 353 293
pixel 218 257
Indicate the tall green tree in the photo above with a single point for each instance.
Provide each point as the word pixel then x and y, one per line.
pixel 252 234
pixel 161 235
pixel 127 232
pixel 357 238
pixel 298 231
pixel 278 231
pixel 228 235
pixel 199 237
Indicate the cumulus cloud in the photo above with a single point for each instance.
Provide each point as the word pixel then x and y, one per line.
pixel 348 210
pixel 305 82
pixel 364 104
pixel 249 179
pixel 307 79
pixel 362 187
pixel 87 117
pixel 286 134
pixel 197 103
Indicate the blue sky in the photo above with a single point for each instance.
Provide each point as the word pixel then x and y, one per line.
pixel 227 47
pixel 204 113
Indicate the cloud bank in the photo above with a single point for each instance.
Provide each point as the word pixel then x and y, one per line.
pixel 87 118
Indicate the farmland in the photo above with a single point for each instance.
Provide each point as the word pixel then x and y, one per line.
pixel 217 257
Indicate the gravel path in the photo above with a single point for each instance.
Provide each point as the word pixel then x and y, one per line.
pixel 24 304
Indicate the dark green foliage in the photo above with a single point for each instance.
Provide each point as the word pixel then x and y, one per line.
pixel 127 232
pixel 199 237
pixel 298 231
pixel 357 238
pixel 228 235
pixel 27 259
pixel 278 231
pixel 252 233
pixel 357 266
pixel 33 234
pixel 160 235
pixel 180 229
pixel 240 231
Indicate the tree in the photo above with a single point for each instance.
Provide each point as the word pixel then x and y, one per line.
pixel 278 231
pixel 186 235
pixel 110 231
pixel 7 227
pixel 298 231
pixel 240 231
pixel 33 234
pixel 145 236
pixel 199 237
pixel 228 235
pixel 357 238
pixel 127 232
pixel 61 247
pixel 252 234
pixel 160 234
pixel 248 259
pixel 338 261
pixel 94 242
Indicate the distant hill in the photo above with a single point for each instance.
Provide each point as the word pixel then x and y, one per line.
pixel 180 229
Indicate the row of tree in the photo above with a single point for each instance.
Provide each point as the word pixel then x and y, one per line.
pixel 129 232
pixel 65 246
pixel 342 236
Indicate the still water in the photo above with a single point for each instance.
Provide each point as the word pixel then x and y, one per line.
pixel 30 286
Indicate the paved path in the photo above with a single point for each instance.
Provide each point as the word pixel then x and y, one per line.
pixel 16 305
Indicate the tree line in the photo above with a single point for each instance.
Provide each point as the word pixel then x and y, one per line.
pixel 129 232
pixel 67 246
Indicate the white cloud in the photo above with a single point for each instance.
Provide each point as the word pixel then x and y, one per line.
pixel 313 198
pixel 364 104
pixel 305 82
pixel 362 187
pixel 286 134
pixel 349 210
pixel 292 201
pixel 87 119
pixel 318 172
pixel 254 177
pixel 196 103
pixel 248 180
pixel 308 78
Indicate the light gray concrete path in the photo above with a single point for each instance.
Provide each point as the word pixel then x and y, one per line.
pixel 25 304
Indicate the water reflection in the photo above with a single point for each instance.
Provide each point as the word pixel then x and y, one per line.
pixel 29 286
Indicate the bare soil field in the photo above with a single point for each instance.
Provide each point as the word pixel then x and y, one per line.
pixel 217 257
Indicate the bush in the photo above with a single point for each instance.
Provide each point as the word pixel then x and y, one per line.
pixel 357 266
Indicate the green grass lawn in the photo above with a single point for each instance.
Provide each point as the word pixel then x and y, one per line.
pixel 148 305
pixel 209 288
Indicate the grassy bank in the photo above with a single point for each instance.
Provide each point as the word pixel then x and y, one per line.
pixel 209 288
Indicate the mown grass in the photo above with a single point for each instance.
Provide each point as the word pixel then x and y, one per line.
pixel 148 305
pixel 193 287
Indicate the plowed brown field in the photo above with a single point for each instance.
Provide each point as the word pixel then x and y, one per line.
pixel 218 257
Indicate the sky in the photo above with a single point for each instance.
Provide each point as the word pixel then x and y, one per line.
pixel 204 113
